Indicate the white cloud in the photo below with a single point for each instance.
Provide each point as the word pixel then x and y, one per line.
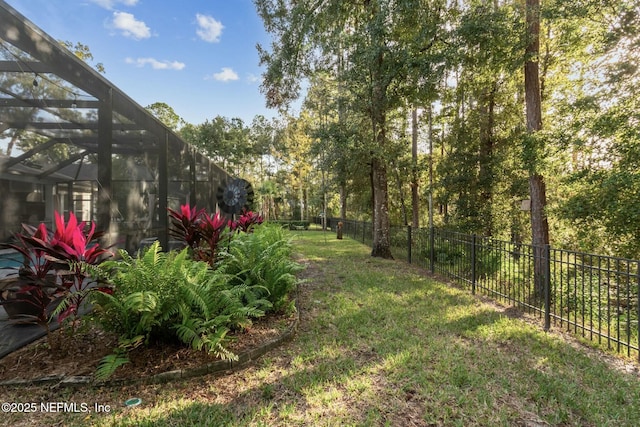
pixel 110 4
pixel 130 26
pixel 226 75
pixel 209 29
pixel 155 64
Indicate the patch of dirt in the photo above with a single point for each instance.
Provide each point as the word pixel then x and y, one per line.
pixel 80 354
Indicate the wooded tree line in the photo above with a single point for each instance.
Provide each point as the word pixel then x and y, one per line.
pixel 416 111
pixel 365 66
pixel 419 110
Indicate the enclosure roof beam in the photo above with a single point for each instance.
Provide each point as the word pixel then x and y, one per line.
pixel 63 164
pixel 23 34
pixel 20 66
pixel 35 150
pixel 46 56
pixel 30 103
pixel 30 125
pixel 47 103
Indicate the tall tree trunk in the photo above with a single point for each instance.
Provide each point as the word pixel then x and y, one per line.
pixel 430 137
pixel 381 242
pixel 403 205
pixel 305 201
pixel 343 201
pixel 415 208
pixel 485 174
pixel 301 199
pixel 539 224
pixel 379 80
pixel 381 246
pixel 373 192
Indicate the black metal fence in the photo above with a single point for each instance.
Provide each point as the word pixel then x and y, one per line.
pixel 594 296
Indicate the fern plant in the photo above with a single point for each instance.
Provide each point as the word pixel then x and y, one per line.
pixel 160 297
pixel 262 261
pixel 119 357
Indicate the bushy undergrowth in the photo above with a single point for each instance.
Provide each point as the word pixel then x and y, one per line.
pixel 262 261
pixel 163 297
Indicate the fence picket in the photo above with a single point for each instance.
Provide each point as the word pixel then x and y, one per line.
pixel 590 293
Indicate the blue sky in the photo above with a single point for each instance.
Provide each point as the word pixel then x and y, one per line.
pixel 197 56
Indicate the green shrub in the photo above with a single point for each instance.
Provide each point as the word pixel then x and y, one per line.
pixel 450 255
pixel 399 238
pixel 165 297
pixel 488 262
pixel 262 261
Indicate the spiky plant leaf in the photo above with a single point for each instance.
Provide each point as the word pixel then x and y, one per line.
pixel 109 364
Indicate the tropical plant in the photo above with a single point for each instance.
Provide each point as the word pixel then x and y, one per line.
pixel 186 225
pixel 57 266
pixel 76 244
pixel 212 230
pixel 202 232
pixel 261 261
pixel 168 297
pixel 247 221
pixel 34 289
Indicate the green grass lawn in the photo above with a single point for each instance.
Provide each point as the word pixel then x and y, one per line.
pixel 380 343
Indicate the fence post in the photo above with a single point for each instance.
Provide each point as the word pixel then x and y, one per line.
pixel 473 264
pixel 409 243
pixel 547 287
pixel 363 230
pixel 432 251
pixel 638 307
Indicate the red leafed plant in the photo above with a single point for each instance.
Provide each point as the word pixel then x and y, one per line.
pixel 76 244
pixel 29 297
pixel 212 229
pixel 57 266
pixel 186 225
pixel 247 221
pixel 203 232
pixel 199 231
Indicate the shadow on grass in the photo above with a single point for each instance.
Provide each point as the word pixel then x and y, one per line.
pixel 380 344
pixel 302 397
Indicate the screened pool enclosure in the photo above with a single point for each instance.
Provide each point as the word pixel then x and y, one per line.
pixel 71 141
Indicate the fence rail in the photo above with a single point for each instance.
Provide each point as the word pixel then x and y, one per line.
pixel 594 296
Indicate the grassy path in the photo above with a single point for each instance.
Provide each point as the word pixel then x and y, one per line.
pixel 380 344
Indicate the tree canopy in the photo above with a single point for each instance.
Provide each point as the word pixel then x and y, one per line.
pixel 364 66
